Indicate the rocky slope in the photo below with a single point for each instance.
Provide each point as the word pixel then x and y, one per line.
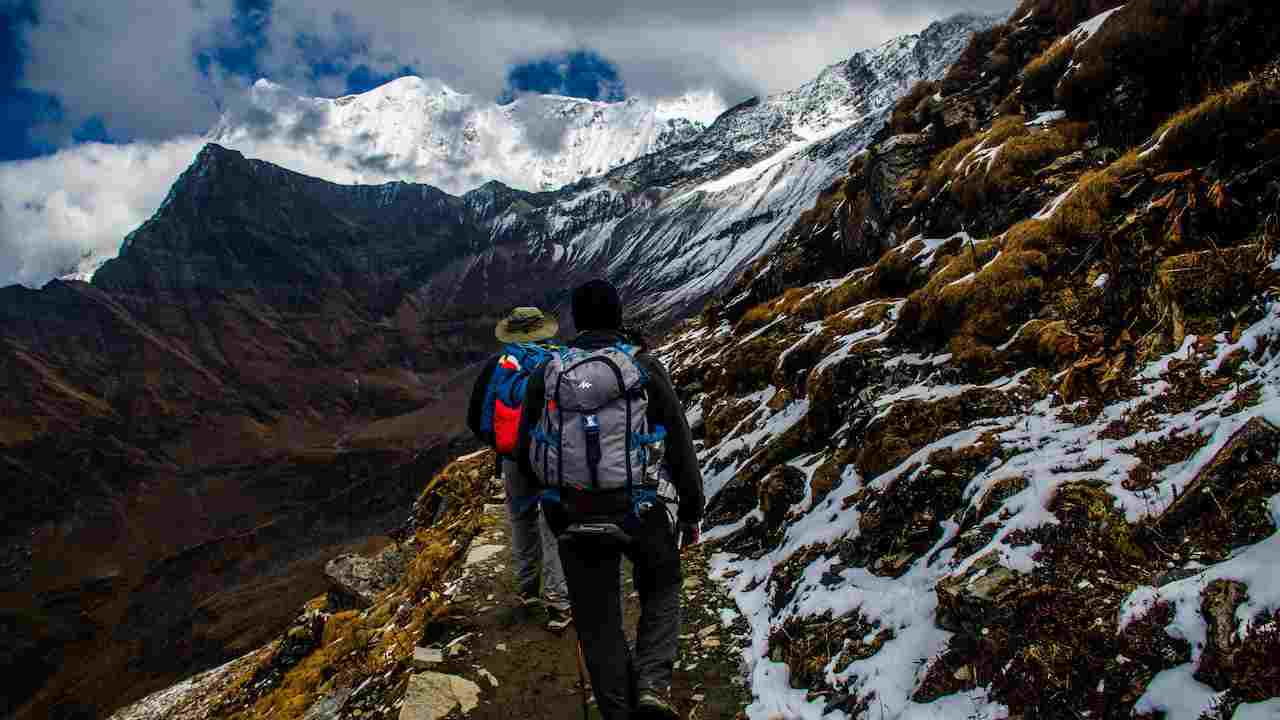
pixel 993 431
pixel 441 613
pixel 273 362
pixel 674 227
pixel 188 441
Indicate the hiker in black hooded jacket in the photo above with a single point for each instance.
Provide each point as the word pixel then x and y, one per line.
pixel 624 685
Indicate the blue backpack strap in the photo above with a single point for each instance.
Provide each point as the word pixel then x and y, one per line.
pixel 631 351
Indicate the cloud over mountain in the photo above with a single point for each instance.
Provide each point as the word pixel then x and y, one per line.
pixel 155 70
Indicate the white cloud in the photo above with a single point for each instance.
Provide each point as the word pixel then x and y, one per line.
pixel 80 201
pixel 132 62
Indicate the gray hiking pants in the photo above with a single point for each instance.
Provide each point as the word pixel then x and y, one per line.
pixel 591 566
pixel 533 546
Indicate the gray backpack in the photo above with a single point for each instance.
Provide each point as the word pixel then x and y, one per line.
pixel 593 435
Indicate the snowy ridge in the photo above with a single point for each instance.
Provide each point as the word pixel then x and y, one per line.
pixel 421 130
pixel 674 227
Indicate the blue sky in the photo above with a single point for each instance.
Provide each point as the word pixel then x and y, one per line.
pixel 37 122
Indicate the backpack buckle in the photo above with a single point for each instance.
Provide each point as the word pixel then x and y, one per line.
pixel 597 530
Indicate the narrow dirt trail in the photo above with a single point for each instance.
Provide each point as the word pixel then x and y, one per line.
pixel 526 671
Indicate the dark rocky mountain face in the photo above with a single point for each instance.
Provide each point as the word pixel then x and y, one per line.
pixel 235 399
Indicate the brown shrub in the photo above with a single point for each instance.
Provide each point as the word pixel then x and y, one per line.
pixel 902 120
pixel 1221 122
pixel 1019 158
pixel 1042 74
pixel 1064 14
pixel 945 165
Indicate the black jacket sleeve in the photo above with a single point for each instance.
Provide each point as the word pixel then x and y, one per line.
pixel 530 415
pixel 476 408
pixel 681 458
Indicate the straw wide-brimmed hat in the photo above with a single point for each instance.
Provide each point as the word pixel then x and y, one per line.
pixel 526 324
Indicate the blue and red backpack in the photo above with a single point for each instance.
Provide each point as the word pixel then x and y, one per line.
pixel 504 395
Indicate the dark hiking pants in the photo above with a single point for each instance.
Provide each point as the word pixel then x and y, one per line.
pixel 591 567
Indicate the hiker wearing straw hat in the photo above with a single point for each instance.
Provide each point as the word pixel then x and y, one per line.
pixel 494 416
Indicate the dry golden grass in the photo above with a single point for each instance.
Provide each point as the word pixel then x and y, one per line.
pixel 296 692
pixel 1043 73
pixel 944 166
pixel 757 317
pixel 1200 132
pixel 895 274
pixel 356 645
pixel 901 121
pixel 799 302
pixel 954 292
pixel 1084 212
pixel 1025 154
pixel 864 318
pixel 1014 167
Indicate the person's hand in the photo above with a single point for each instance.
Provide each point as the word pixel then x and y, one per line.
pixel 690 534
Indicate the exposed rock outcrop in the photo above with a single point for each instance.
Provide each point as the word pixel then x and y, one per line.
pixel 358 580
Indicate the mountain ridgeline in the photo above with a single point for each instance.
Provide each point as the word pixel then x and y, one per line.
pixel 990 430
pixel 273 366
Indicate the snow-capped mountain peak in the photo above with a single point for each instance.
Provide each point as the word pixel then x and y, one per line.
pixel 422 130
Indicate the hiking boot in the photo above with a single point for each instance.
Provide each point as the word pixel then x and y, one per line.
pixel 652 706
pixel 558 619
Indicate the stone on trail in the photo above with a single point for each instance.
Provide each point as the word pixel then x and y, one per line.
pixel 431 696
pixel 424 658
pixel 328 707
pixel 481 553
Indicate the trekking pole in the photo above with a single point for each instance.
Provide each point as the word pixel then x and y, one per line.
pixel 582 681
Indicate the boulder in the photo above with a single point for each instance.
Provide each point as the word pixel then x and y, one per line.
pixel 328 707
pixel 1257 442
pixel 1217 663
pixel 977 598
pixel 357 581
pixel 431 696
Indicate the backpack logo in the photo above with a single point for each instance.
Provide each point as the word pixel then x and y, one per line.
pixel 595 438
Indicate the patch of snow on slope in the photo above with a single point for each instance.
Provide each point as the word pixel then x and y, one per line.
pixel 1175 691
pixel 1049 452
pixel 1085 30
